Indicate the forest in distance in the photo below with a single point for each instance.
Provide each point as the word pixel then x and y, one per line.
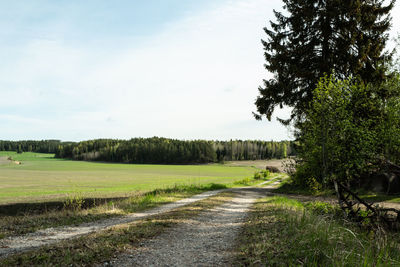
pixel 157 150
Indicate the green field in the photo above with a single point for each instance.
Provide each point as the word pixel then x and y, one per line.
pixel 41 177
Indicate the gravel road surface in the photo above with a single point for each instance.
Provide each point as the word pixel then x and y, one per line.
pixel 205 240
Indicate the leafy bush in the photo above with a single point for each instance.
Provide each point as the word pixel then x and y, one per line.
pixel 261 175
pixel 314 185
pixel 74 203
pixel 322 208
pixel 349 129
pixel 245 181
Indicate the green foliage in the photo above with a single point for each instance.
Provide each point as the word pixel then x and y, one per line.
pixel 157 150
pixel 253 149
pixel 313 38
pixel 314 185
pixel 323 208
pixel 261 175
pixel 43 146
pixel 74 203
pixel 257 176
pixel 347 130
pixel 245 181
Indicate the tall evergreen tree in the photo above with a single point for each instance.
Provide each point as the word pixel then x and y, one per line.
pixel 317 37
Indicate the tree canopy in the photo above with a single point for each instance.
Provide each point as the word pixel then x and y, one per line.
pixel 318 37
pixel 158 150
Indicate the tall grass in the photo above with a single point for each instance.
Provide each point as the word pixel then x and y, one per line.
pixel 283 231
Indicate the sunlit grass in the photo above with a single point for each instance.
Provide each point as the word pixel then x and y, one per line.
pixel 285 232
pixel 42 178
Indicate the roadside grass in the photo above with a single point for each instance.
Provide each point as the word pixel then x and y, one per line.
pixel 285 232
pixel 73 212
pixel 287 187
pixel 42 178
pixel 378 197
pixel 261 178
pixel 103 246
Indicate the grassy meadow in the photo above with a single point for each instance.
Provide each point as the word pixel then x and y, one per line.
pixel 40 177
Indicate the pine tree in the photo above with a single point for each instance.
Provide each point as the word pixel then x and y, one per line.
pixel 318 37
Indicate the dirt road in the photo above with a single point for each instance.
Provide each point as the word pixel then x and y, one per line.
pixel 205 240
pixel 47 236
pixel 232 212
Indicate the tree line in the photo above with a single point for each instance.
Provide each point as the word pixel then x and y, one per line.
pixel 253 150
pixel 42 146
pixel 157 150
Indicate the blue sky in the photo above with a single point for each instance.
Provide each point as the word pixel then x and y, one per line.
pixel 187 69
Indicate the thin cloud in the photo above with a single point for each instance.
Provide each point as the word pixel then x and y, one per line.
pixel 197 77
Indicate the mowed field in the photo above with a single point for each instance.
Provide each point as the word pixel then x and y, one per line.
pixel 40 177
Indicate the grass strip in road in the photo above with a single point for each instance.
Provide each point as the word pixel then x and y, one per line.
pixel 74 214
pixel 104 246
pixel 285 232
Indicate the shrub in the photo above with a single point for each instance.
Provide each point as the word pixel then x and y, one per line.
pixel 261 175
pixel 74 203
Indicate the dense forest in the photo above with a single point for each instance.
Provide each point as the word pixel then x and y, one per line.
pixel 156 150
pixel 43 146
pixel 170 151
pixel 252 150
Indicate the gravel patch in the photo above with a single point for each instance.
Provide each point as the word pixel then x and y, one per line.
pixel 48 236
pixel 206 240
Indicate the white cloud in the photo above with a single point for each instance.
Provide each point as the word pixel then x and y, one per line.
pixel 197 78
pixel 191 80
